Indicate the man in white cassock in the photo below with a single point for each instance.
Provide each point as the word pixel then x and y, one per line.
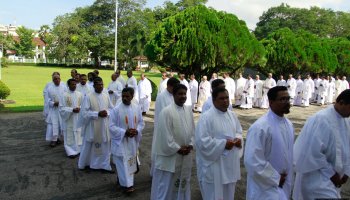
pixel 82 87
pixel 163 83
pixel 120 78
pixel 125 126
pixel 268 84
pixel 114 90
pixel 204 92
pixel 45 94
pixel 193 86
pixel 145 92
pixel 298 92
pixel 322 152
pixel 291 85
pixel 218 140
pixel 268 155
pixel 248 94
pixel 132 82
pixel 281 81
pixel 322 91
pixel 209 103
pixel 330 91
pixel 184 82
pixel 258 92
pixel 69 110
pixel 230 85
pixel 308 88
pixel 53 119
pixel 173 150
pixel 214 76
pixel 240 83
pixel 163 100
pixel 96 149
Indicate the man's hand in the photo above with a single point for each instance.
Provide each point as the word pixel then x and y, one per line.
pixel 229 144
pixel 110 92
pixel 344 179
pixel 131 132
pixel 185 150
pixel 103 113
pixel 56 103
pixel 237 143
pixel 282 180
pixel 76 110
pixel 337 181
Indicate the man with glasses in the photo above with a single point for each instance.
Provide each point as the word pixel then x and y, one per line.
pixel 269 150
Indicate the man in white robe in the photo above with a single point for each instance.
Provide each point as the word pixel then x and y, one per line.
pixel 53 119
pixel 163 100
pixel 114 90
pixel 322 152
pixel 240 83
pixel 204 92
pixel 163 83
pixel 308 88
pixel 248 94
pixel 298 91
pixel 331 91
pixel 69 110
pixel 45 94
pixel 258 92
pixel 281 81
pixel 173 150
pixel 214 76
pixel 183 81
pixel 120 78
pixel 96 149
pixel 218 140
pixel 315 94
pixel 322 91
pixel 230 85
pixel 193 84
pixel 145 92
pixel 82 87
pixel 125 126
pixel 268 84
pixel 132 82
pixel 268 155
pixel 291 85
pixel 337 85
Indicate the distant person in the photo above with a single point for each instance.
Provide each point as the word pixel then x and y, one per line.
pixel 291 85
pixel 114 90
pixel 281 81
pixel 258 92
pixel 184 82
pixel 193 84
pixel 268 84
pixel 240 83
pixel 73 72
pixel 204 92
pixel 230 86
pixel 163 83
pixel 248 94
pixel 120 78
pixel 82 87
pixel 322 152
pixel 145 93
pixel 91 77
pixel 132 82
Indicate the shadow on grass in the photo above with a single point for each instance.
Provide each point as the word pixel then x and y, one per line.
pixel 20 109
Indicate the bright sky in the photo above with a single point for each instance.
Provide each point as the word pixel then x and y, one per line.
pixel 34 13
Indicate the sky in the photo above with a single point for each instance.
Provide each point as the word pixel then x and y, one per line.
pixel 34 13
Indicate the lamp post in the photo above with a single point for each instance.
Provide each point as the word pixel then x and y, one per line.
pixel 116 36
pixel 1 51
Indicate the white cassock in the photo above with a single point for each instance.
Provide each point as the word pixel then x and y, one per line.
pixel 269 153
pixel 307 92
pixel 162 85
pixel 171 178
pixel 344 84
pixel 298 92
pixel 124 149
pixel 163 100
pixel 53 117
pixel 121 80
pixel 321 150
pixel 132 82
pixel 71 127
pixel 117 88
pixel 204 93
pixel 322 91
pixel 281 82
pixel 145 92
pixel 317 82
pixel 337 84
pixel 330 93
pixel 45 95
pixel 194 92
pixel 218 169
pixel 248 94
pixel 291 86
pixel 239 90
pixel 230 87
pixel 258 93
pixel 268 84
pixel 188 93
pixel 84 89
pixel 209 103
pixel 96 148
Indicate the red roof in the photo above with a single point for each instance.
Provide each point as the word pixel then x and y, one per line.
pixel 37 41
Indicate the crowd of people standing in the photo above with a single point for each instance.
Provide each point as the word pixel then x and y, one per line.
pixel 105 125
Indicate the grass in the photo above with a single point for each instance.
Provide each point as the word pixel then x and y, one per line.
pixel 27 83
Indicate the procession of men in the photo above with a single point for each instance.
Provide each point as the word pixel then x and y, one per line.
pixel 103 126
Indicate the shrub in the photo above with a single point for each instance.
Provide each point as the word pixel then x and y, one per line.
pixel 4 91
pixel 154 90
pixel 4 62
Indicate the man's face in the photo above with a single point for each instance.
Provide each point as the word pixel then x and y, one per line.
pixel 142 76
pixel 222 101
pixel 72 86
pixel 83 80
pixel 192 77
pixel 163 76
pixel 129 74
pixel 56 80
pixel 126 98
pixel 117 74
pixel 180 97
pixel 114 77
pixel 72 74
pixel 182 76
pixel 98 86
pixel 281 105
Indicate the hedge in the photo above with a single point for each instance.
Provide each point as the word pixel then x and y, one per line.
pixel 4 90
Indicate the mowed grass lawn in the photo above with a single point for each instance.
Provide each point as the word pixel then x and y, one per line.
pixel 27 83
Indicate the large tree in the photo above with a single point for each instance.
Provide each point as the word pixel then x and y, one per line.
pixel 24 45
pixel 201 40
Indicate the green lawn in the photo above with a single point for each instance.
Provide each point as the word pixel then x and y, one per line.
pixel 27 83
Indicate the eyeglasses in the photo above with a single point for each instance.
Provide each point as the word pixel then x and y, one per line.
pixel 283 99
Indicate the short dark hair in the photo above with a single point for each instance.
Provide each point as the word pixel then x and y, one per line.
pixel 216 83
pixel 172 82
pixel 70 80
pixel 97 79
pixel 344 96
pixel 272 93
pixel 81 75
pixel 178 87
pixel 216 92
pixel 130 90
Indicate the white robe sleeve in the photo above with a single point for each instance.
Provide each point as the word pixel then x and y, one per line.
pixel 116 131
pixel 64 110
pixel 86 112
